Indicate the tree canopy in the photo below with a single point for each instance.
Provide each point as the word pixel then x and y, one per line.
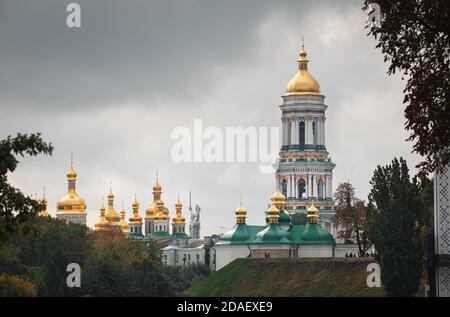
pixel 16 209
pixel 414 37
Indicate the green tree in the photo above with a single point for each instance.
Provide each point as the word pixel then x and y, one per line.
pixel 395 227
pixel 47 252
pixel 16 209
pixel 414 37
pixel 121 267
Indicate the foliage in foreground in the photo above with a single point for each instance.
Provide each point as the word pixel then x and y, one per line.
pixel 111 265
pixel 395 227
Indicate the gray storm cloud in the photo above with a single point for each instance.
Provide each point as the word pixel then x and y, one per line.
pixel 113 91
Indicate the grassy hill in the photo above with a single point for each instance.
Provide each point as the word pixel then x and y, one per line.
pixel 288 277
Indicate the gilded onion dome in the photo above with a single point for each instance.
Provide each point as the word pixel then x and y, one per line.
pixel 273 214
pixel 123 223
pixel 102 223
pixel 111 215
pixel 136 218
pixel 161 217
pixel 279 201
pixel 178 219
pixel 71 203
pixel 241 214
pixel 303 83
pixel 313 214
pixel 152 211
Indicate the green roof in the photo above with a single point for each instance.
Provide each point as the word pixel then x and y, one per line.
pixel 160 234
pixel 273 233
pixel 284 219
pixel 134 235
pixel 240 234
pixel 181 235
pixel 314 234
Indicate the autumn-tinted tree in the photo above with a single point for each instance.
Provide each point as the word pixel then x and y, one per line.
pixel 395 227
pixel 351 216
pixel 16 209
pixel 414 37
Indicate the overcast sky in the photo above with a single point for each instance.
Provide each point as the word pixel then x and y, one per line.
pixel 112 91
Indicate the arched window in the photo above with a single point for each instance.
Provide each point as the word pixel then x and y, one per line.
pixel 302 133
pixel 301 188
pixel 320 185
pixel 284 187
pixel 314 133
pixel 289 132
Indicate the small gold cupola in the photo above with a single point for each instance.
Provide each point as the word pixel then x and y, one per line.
pixel 44 213
pixel 102 223
pixel 123 222
pixel 71 203
pixel 136 218
pixel 273 214
pixel 179 219
pixel 303 83
pixel 111 215
pixel 313 214
pixel 278 200
pixel 241 214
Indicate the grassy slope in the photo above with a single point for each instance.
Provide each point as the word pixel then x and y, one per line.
pixel 288 277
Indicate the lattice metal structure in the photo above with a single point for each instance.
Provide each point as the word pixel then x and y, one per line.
pixel 442 232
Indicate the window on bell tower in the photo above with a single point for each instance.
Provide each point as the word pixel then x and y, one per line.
pixel 314 127
pixel 301 188
pixel 302 134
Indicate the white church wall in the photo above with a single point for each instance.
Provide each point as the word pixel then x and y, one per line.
pixel 228 253
pixel 315 251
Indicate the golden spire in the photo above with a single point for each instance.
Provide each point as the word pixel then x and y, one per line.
pixel 102 223
pixel 112 216
pixel 71 203
pixel 44 213
pixel 157 204
pixel 303 83
pixel 241 213
pixel 278 200
pixel 123 223
pixel 178 219
pixel 313 214
pixel 136 218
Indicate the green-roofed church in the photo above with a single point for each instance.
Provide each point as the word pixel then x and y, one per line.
pixel 278 238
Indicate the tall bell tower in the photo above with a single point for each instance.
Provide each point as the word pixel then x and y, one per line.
pixel 304 170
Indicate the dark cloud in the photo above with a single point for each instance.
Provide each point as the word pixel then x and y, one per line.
pixel 112 92
pixel 125 51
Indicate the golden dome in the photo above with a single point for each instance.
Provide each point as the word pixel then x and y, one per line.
pixel 71 203
pixel 178 219
pixel 161 217
pixel 313 214
pixel 273 214
pixel 136 218
pixel 112 216
pixel 71 174
pixel 123 223
pixel 102 223
pixel 241 213
pixel 150 211
pixel 278 200
pixel 303 83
